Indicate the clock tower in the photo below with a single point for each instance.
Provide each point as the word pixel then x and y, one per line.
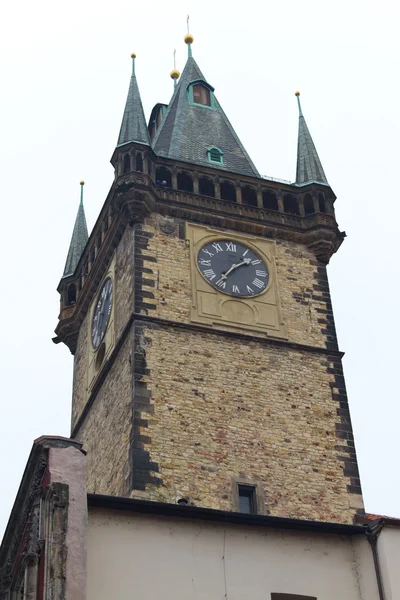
pixel 206 365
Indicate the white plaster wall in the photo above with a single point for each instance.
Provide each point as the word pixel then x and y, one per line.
pixel 389 561
pixel 149 558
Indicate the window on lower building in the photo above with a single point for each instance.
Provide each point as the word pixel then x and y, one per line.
pixel 247 499
pixel 291 597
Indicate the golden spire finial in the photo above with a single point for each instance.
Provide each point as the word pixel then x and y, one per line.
pixel 82 182
pixel 297 93
pixel 175 73
pixel 133 55
pixel 189 39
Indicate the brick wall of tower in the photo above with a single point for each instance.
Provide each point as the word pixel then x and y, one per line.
pixel 123 295
pixel 209 407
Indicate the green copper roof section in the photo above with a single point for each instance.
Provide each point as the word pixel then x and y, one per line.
pixel 188 129
pixel 78 240
pixel 133 128
pixel 309 167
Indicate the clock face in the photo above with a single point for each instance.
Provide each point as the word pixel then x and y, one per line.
pixel 233 268
pixel 102 313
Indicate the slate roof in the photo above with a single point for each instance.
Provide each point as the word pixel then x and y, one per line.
pixel 309 167
pixel 78 241
pixel 133 127
pixel 187 130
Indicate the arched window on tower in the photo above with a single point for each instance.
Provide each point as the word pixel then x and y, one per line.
pixel 249 196
pixel 163 177
pixel 206 187
pixel 321 203
pixel 185 182
pixel 290 205
pixel 139 162
pixel 127 163
pixel 228 192
pixel 215 155
pixel 308 205
pixel 71 298
pixel 270 201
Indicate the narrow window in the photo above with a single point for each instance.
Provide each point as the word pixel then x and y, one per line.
pixel 215 155
pixel 291 597
pixel 206 187
pixel 71 294
pixel 321 203
pixel 127 163
pixel 139 163
pixel 228 192
pixel 152 130
pixel 201 95
pixel 247 499
pixel 163 177
pixel 290 205
pixel 185 182
pixel 270 201
pixel 308 205
pixel 249 196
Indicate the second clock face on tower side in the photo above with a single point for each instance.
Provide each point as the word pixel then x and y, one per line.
pixel 102 312
pixel 233 268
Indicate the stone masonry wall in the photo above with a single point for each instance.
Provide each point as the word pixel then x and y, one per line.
pixel 106 430
pixel 225 408
pixel 183 411
pixel 123 297
pixel 170 283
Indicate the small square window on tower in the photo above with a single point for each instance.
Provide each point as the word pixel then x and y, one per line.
pixel 247 499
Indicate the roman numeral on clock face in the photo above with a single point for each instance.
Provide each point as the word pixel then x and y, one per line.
pixel 261 273
pixel 209 273
pixel 235 289
pixel 258 283
pixel 217 247
pixel 221 283
pixel 205 263
pixel 230 246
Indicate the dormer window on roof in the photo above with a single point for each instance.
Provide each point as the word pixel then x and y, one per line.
pixel 201 93
pixel 215 155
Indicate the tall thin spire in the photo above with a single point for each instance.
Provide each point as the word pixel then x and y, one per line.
pixel 78 240
pixel 309 167
pixel 133 128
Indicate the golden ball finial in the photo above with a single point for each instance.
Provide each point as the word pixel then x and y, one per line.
pixel 82 182
pixel 189 39
pixel 297 93
pixel 133 55
pixel 175 74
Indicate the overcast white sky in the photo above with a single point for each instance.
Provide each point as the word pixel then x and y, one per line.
pixel 65 75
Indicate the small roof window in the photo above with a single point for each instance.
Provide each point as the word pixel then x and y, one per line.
pixel 215 155
pixel 201 95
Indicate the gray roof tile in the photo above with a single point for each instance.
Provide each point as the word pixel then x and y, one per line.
pixel 133 128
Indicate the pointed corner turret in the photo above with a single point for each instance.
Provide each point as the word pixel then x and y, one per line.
pixel 78 240
pixel 309 167
pixel 133 127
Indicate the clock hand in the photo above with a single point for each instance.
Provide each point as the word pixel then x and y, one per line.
pixel 245 261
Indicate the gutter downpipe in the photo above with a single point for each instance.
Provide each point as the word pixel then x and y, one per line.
pixel 372 533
